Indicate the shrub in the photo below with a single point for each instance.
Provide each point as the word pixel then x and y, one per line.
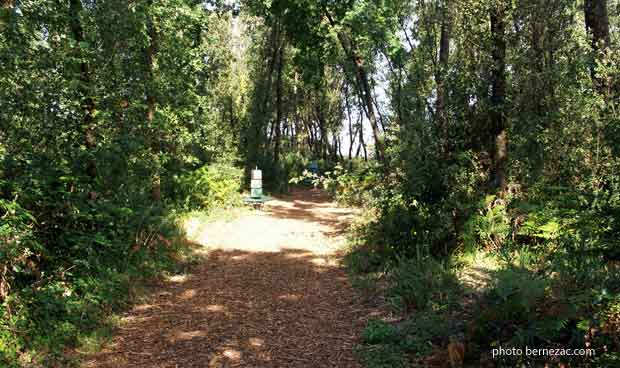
pixel 490 227
pixel 211 186
pixel 381 356
pixel 17 244
pixel 414 283
pixel 378 331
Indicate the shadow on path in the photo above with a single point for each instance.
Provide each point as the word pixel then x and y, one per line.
pixel 287 308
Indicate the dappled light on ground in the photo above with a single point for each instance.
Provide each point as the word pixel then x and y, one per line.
pixel 258 301
pixel 306 220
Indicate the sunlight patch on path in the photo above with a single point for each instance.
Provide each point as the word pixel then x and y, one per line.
pixel 270 294
pixel 311 223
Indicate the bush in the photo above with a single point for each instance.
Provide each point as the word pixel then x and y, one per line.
pixel 364 259
pixel 381 356
pixel 17 245
pixel 377 332
pixel 414 283
pixel 490 227
pixel 67 261
pixel 212 186
pixel 381 348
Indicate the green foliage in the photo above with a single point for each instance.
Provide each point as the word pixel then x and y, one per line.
pixel 364 259
pixel 93 131
pixel 380 346
pixel 381 356
pixel 429 331
pixel 211 186
pixel 17 244
pixel 515 294
pixel 490 227
pixel 377 332
pixel 415 284
pixel 106 105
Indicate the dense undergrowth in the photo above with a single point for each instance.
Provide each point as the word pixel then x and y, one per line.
pixel 490 131
pixel 69 262
pixel 104 142
pixel 530 269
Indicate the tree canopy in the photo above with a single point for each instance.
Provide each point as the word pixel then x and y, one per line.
pixel 461 123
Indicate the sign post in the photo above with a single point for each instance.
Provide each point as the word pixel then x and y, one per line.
pixel 256 185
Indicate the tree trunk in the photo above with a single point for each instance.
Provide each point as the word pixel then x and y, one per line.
pixel 151 50
pixel 364 87
pixel 351 133
pixel 362 142
pixel 87 102
pixel 323 130
pixel 276 149
pixel 498 90
pixel 597 25
pixel 444 54
pixel 271 61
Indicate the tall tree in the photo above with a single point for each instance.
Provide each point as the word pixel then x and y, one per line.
pixel 363 84
pixel 278 122
pixel 498 126
pixel 150 52
pixel 444 55
pixel 597 25
pixel 597 22
pixel 86 100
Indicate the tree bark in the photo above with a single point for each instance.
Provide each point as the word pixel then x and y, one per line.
pixel 597 25
pixel 444 54
pixel 364 87
pixel 498 90
pixel 362 142
pixel 151 51
pixel 276 149
pixel 351 132
pixel 86 101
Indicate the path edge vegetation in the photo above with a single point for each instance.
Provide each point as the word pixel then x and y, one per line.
pixel 480 136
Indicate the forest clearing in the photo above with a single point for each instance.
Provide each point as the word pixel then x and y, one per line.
pixel 309 183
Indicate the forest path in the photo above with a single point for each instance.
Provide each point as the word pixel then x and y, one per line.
pixel 270 294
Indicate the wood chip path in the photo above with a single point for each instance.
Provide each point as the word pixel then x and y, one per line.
pixel 271 294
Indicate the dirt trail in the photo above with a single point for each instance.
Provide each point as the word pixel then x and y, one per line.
pixel 269 295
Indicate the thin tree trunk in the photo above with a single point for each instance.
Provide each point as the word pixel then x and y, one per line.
pixel 87 102
pixel 376 103
pixel 364 87
pixel 444 54
pixel 323 130
pixel 296 112
pixel 151 51
pixel 399 83
pixel 276 149
pixel 270 66
pixel 351 133
pixel 498 90
pixel 362 142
